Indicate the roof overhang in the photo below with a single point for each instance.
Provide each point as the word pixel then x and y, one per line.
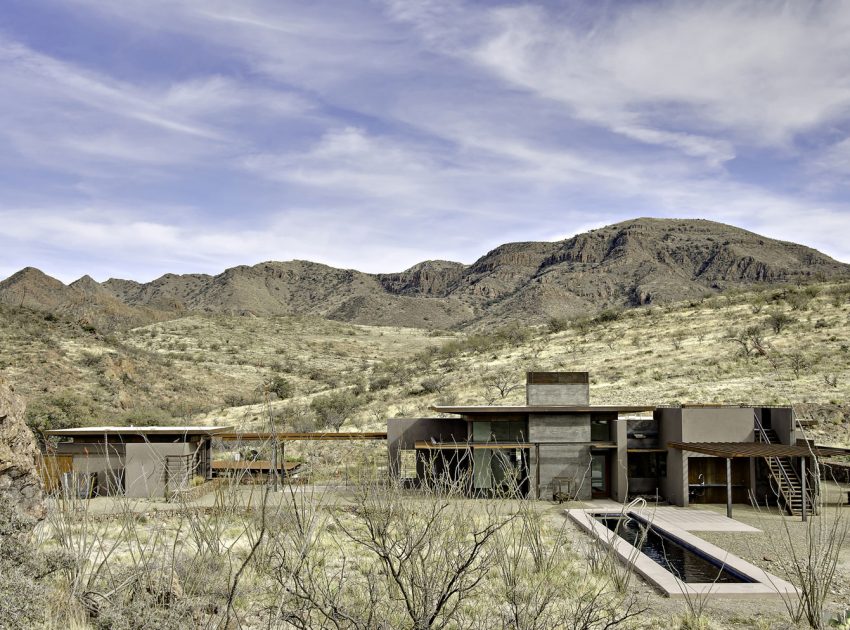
pixel 333 436
pixel 732 450
pixel 547 409
pixel 148 430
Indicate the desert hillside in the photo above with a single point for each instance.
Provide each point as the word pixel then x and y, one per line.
pixel 784 345
pixel 634 263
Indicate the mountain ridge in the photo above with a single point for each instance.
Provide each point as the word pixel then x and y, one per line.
pixel 632 263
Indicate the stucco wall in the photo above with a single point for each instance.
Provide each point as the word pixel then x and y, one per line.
pixel 144 470
pixel 782 421
pixel 717 424
pixel 675 486
pixel 107 464
pixel 707 424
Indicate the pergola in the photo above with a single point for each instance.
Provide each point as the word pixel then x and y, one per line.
pixel 733 450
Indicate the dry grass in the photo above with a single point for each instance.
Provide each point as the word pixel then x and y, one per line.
pixel 212 369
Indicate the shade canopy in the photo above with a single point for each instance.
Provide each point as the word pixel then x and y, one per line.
pixel 752 449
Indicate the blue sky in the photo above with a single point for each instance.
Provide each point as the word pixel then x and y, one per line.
pixel 142 137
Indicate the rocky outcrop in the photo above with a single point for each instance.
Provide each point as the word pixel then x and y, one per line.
pixel 431 278
pixel 20 483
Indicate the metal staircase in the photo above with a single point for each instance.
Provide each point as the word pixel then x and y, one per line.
pixel 784 479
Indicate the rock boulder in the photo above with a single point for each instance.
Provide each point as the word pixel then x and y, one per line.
pixel 20 483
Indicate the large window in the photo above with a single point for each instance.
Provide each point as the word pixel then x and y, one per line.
pixel 600 430
pixel 645 465
pixel 501 431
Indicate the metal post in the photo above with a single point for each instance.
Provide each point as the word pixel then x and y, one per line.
pixel 729 487
pixel 803 482
pixel 274 466
pixel 537 471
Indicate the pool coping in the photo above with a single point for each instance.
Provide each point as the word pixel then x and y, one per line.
pixel 766 585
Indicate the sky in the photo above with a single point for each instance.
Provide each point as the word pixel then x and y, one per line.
pixel 143 137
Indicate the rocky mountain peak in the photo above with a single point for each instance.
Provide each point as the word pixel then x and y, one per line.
pixel 635 262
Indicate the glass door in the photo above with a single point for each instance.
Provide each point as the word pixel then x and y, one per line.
pixel 599 475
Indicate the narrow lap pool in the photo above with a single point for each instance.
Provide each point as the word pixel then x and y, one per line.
pixel 676 556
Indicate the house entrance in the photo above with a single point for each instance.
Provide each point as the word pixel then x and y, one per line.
pixel 600 477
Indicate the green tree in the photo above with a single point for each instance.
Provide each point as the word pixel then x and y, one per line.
pixel 332 410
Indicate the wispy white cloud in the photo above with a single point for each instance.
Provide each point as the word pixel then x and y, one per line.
pixel 694 76
pixel 374 134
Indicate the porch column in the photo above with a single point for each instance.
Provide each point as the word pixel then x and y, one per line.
pixel 729 487
pixel 803 482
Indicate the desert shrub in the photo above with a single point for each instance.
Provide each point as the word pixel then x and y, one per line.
pixel 379 382
pixel 146 415
pixel 90 359
pixel 235 399
pixel 61 411
pixel 332 410
pixel 798 300
pixel 798 363
pixel 280 386
pixel 608 315
pixel 514 334
pixel 778 320
pixel 557 324
pixel 433 385
pixel 300 419
pixel 24 596
pixel 583 324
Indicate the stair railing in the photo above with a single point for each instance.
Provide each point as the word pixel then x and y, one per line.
pixel 813 481
pixel 763 437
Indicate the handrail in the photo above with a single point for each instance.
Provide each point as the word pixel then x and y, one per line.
pixel 814 478
pixel 766 439
pixel 788 500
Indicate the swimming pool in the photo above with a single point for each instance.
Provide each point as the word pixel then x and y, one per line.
pixel 675 561
pixel 679 558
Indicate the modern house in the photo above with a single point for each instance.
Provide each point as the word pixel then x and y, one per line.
pixel 558 445
pixel 140 462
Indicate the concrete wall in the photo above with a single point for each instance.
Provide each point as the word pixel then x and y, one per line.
pixel 144 469
pixel 557 388
pixel 782 421
pixel 403 433
pixel 700 424
pixel 619 474
pixel 557 459
pixel 675 486
pixel 717 424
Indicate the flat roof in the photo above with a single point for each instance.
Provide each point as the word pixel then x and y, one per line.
pixel 473 409
pixel 752 449
pixel 145 430
pixel 235 436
